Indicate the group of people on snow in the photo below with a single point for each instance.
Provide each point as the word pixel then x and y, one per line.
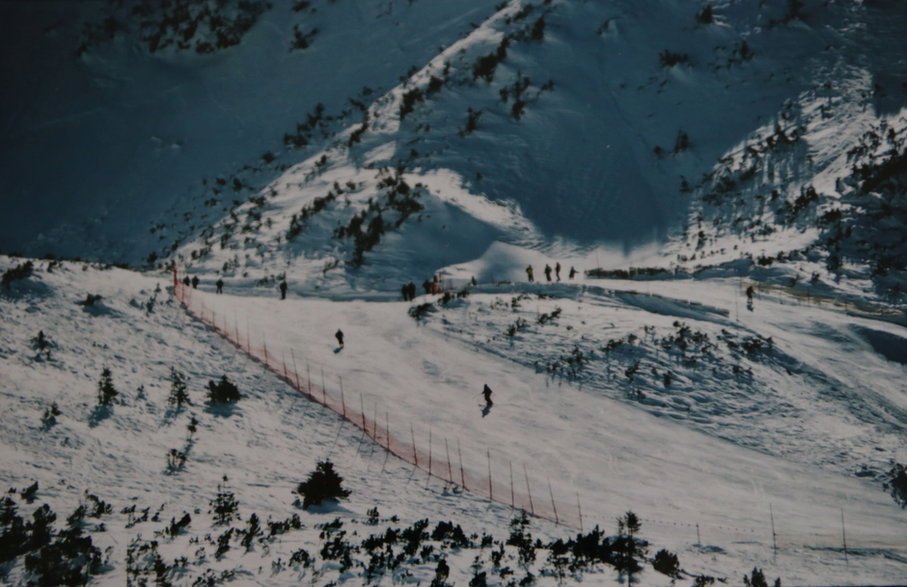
pixel 530 273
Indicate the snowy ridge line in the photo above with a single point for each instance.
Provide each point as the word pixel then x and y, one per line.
pixel 441 460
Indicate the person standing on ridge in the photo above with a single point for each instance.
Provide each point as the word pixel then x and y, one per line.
pixel 219 285
pixel 557 270
pixel 195 282
pixel 283 289
pixel 339 336
pixel 529 273
pixel 548 271
pixel 572 271
pixel 487 393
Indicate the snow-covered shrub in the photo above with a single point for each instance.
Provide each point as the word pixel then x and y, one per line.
pixel 21 271
pixel 670 58
pixel 896 484
pixel 224 505
pixel 322 484
pixel 42 344
pixel 178 393
pixel 70 560
pixel 757 579
pixel 49 417
pixel 223 392
pixel 666 562
pixel 420 311
pixel 90 300
pixel 106 390
pixel 176 460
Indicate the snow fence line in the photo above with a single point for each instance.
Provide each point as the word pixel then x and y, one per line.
pixel 441 459
pixel 444 460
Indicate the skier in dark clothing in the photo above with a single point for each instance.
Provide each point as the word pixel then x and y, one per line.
pixel 220 286
pixel 186 281
pixel 404 291
pixel 195 282
pixel 572 272
pixel 283 289
pixel 557 271
pixel 411 290
pixel 339 336
pixel 548 271
pixel 529 273
pixel 487 393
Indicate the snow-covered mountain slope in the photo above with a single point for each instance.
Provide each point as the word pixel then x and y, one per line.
pixel 724 140
pixel 722 128
pixel 785 436
pixel 101 146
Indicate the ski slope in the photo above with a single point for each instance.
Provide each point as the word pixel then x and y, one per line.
pixel 795 456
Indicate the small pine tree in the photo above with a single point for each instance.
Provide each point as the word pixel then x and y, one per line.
pixel 178 394
pixel 756 579
pixel 705 16
pixel 667 563
pixel 42 344
pixel 106 390
pixel 322 484
pixel 224 505
pixel 629 549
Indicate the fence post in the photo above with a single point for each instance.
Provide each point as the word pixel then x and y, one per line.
pixel 449 467
pixel 511 483
pixel 553 506
pixel 412 434
pixel 295 372
pixel 375 422
pixel 462 475
pixel 362 409
pixel 528 490
pixel 844 535
pixel 771 514
pixel 342 400
pixel 324 393
pixel 490 490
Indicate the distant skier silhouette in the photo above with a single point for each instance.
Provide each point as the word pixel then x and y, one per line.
pixel 220 286
pixel 283 289
pixel 339 336
pixel 529 273
pixel 486 392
